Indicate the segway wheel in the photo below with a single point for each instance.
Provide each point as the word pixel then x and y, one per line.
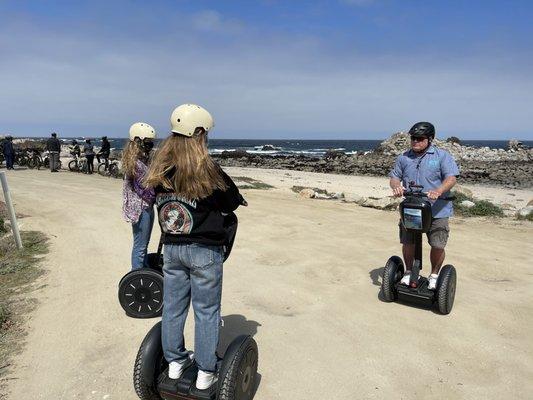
pixel 446 289
pixel 149 364
pixel 237 378
pixel 73 166
pixel 392 274
pixel 140 293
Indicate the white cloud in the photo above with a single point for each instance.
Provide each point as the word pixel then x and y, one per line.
pixel 255 87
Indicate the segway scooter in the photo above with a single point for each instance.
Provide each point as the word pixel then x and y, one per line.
pixel 140 291
pixel 415 213
pixel 236 376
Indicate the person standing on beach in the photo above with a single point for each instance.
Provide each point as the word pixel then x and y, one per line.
pixel 53 145
pixel 436 170
pixel 88 151
pixel 137 199
pixel 192 195
pixel 9 152
pixel 104 152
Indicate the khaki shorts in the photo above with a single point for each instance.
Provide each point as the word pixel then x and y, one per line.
pixel 437 235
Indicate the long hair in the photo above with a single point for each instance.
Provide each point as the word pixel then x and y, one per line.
pixel 183 164
pixel 130 155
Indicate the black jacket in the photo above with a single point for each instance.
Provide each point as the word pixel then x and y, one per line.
pixel 53 144
pixel 106 147
pixel 8 148
pixel 197 221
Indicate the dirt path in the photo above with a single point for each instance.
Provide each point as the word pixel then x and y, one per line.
pixel 303 278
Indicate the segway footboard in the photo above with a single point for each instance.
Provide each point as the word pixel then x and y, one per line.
pixel 420 295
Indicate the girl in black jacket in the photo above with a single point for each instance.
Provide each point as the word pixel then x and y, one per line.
pixel 192 196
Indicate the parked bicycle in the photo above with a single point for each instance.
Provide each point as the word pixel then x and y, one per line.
pixel 78 164
pixel 34 158
pixel 112 169
pixel 21 159
pixel 46 161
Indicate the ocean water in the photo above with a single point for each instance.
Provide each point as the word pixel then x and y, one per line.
pixel 316 148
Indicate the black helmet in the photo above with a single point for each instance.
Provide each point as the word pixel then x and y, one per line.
pixel 423 129
pixel 74 141
pixel 54 134
pixel 104 137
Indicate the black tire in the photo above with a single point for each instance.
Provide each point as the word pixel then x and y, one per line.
pixel 73 166
pixel 140 293
pixel 392 274
pixel 33 162
pixel 446 285
pixel 101 169
pixel 149 364
pixel 46 162
pixel 113 170
pixel 237 378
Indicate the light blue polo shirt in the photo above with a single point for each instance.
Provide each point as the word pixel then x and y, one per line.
pixel 428 170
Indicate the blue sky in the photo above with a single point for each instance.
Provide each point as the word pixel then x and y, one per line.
pixel 339 69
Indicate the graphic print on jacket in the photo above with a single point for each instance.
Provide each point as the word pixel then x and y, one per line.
pixel 174 217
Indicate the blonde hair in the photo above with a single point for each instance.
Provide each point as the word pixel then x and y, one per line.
pixel 130 155
pixel 194 173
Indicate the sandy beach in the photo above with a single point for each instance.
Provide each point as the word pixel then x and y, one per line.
pixel 303 278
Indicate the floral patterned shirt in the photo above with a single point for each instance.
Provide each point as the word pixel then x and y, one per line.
pixel 136 197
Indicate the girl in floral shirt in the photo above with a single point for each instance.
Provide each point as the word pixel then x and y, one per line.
pixel 137 199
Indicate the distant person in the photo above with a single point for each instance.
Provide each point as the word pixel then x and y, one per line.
pixel 104 152
pixel 137 199
pixel 9 152
pixel 75 148
pixel 434 169
pixel 88 151
pixel 192 195
pixel 53 145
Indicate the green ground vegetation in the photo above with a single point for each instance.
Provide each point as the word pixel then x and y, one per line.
pixel 482 208
pixel 250 183
pixel 18 271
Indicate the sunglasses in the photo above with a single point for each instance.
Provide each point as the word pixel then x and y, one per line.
pixel 418 138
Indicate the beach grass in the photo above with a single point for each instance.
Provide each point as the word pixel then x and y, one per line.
pixel 481 208
pixel 18 270
pixel 250 183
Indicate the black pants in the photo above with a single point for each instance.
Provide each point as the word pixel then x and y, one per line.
pixel 10 158
pixel 90 163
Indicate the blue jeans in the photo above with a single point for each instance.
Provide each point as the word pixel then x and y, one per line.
pixel 192 271
pixel 142 230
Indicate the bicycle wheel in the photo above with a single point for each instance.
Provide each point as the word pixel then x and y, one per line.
pixel 73 166
pixel 113 170
pixel 33 162
pixel 101 169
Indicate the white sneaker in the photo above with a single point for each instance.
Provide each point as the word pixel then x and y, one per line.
pixel 406 278
pixel 432 281
pixel 175 369
pixel 205 379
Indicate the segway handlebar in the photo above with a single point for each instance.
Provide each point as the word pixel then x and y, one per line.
pixel 425 194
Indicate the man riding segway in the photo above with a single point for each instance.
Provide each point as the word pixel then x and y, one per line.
pixel 435 170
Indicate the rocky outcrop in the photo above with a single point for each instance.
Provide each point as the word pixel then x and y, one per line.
pixel 510 168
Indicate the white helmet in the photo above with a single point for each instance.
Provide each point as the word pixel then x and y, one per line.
pixel 141 130
pixel 187 117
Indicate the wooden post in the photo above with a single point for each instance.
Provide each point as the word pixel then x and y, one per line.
pixel 11 210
